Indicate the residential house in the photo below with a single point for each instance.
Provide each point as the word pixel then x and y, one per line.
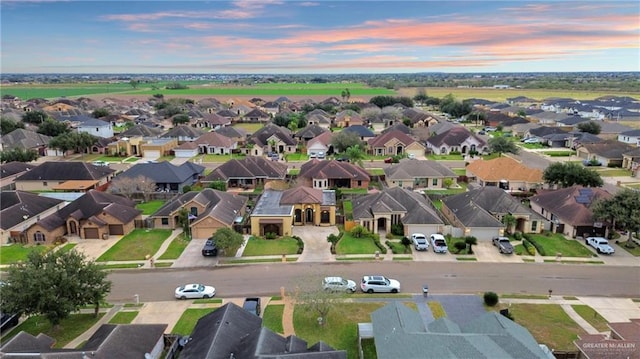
pixel 127 146
pixel 9 171
pixel 574 139
pixel 74 175
pixel 320 118
pixel 215 143
pixel 395 143
pixel 183 133
pixel 363 132
pixel 249 172
pixel 94 126
pixel 257 115
pixel 158 147
pixel 413 174
pixel 209 210
pixel 569 210
pixel 329 174
pixel 228 114
pixel 232 332
pixel 631 161
pixel 399 332
pixel 610 130
pixel 348 118
pixel 123 341
pixel 398 127
pixel 212 120
pixel 186 150
pixel 419 118
pixel 505 173
pixel 631 137
pixel 241 109
pixel 19 210
pixel 548 118
pixel 271 138
pixel 278 211
pixel 309 132
pixel 622 342
pixel 141 131
pixel 236 134
pixel 167 177
pixel 457 139
pixel 271 108
pixel 26 140
pixel 320 143
pixel 542 131
pixel 480 213
pixel 379 212
pixel 608 153
pixel 94 215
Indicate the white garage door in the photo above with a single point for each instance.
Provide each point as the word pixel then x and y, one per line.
pixel 417 153
pixel 484 234
pixel 151 155
pixel 426 229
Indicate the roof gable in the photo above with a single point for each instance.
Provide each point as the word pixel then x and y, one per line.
pixel 64 171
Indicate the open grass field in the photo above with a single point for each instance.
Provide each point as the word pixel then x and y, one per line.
pixel 501 95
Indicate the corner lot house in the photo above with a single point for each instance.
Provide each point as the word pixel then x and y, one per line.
pixel 74 175
pixel 19 210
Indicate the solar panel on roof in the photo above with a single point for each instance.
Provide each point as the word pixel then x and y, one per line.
pixel 585 191
pixel 583 199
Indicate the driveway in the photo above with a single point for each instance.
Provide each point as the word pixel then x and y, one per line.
pixel 430 256
pixel 192 256
pixel 461 309
pixel 485 251
pixel 316 246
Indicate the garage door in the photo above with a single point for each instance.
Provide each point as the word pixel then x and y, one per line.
pixel 203 232
pixel 151 154
pixel 116 229
pixel 426 229
pixel 484 234
pixel 91 233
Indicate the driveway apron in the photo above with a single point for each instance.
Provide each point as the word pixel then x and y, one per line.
pixel 316 246
pixel 461 309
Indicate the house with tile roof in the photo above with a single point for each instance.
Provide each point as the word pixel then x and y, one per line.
pixel 480 212
pixel 326 174
pixel 209 210
pixel 249 172
pixel 19 210
pixel 399 332
pixel 167 176
pixel 414 174
pixel 394 143
pixel 94 215
pixel 506 173
pixel 569 210
pixel 396 206
pixel 456 139
pixel 75 175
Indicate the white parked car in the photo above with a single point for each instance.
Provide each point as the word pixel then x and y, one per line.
pixel 420 242
pixel 600 244
pixel 191 291
pixel 378 283
pixel 339 284
pixel 531 140
pixel 439 243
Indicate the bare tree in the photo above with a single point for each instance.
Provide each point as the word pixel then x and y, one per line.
pixel 129 187
pixel 310 296
pixel 146 186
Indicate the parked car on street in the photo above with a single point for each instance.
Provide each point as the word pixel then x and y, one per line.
pixel 338 284
pixel 439 243
pixel 411 156
pixel 531 140
pixel 379 284
pixel 193 291
pixel 252 305
pixel 600 244
pixel 420 242
pixel 210 249
pixel 503 244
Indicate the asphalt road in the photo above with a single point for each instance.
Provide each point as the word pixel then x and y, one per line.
pixel 442 277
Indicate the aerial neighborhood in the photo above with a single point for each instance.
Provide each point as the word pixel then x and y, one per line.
pixel 335 179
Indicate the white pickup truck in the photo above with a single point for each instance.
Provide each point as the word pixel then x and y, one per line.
pixel 600 244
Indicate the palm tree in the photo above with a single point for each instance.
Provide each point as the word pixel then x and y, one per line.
pixel 470 241
pixel 355 154
pixel 509 221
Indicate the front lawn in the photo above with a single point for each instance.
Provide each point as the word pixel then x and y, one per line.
pixel 553 243
pixel 149 208
pixel 124 317
pixel 549 324
pixel 136 245
pixel 296 157
pixel 613 172
pixel 635 251
pixel 265 247
pixel 272 317
pixel 188 320
pixel 445 157
pixel 176 248
pixel 14 253
pixel 351 245
pixel 219 158
pixel 66 248
pixel 590 315
pixel 70 328
pixel 250 128
pixel 375 171
pixel 341 328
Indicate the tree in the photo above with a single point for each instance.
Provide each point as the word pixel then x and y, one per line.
pixel 470 241
pixel 79 141
pixel 590 127
pixel 359 231
pixel 184 222
pixel 421 96
pixel 355 154
pixel 343 140
pixel 406 242
pixel 18 155
pixel 8 125
pixel 180 119
pixel 34 117
pixel 53 128
pixel 312 297
pixel 134 83
pixel 502 145
pixel 509 221
pixel 478 117
pixel 219 185
pixel 53 284
pixel 227 239
pixel 623 208
pixel 100 112
pixel 383 101
pixel 459 246
pixel 346 94
pixel 567 174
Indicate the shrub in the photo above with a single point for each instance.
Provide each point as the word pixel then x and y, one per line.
pixel 460 246
pixel 538 246
pixel 490 299
pixel 517 236
pixel 529 247
pixel 359 231
pixel 376 241
pixel 270 235
pixel 397 229
pixel 300 244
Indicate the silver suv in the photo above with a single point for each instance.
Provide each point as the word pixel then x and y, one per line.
pixel 378 283
pixel 338 284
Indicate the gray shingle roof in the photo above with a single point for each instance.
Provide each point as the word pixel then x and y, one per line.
pixel 182 131
pixel 418 169
pixel 12 168
pixel 248 167
pixel 16 205
pixel 220 205
pixel 332 169
pixel 24 139
pixel 64 171
pixel 164 172
pixel 415 207
pixel 468 207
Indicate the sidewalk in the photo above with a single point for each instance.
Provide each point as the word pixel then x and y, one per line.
pixel 86 335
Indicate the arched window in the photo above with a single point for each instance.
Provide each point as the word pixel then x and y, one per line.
pixel 39 237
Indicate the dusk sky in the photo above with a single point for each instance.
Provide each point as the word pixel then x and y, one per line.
pixel 269 36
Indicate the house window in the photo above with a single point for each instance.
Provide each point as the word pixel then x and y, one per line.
pixel 165 221
pixel 44 184
pixel 434 182
pixel 534 226
pixel 39 237
pixel 193 211
pixel 359 183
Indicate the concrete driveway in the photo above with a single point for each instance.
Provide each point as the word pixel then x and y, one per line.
pixel 192 256
pixel 430 256
pixel 316 246
pixel 485 251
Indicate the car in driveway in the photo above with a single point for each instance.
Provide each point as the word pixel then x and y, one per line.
pixel 531 140
pixel 252 305
pixel 420 242
pixel 438 243
pixel 379 284
pixel 210 249
pixel 600 244
pixel 338 284
pixel 195 291
pixel 503 244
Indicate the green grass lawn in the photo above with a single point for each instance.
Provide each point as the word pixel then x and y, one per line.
pixel 17 252
pixel 613 172
pixel 375 171
pixel 449 191
pixel 266 247
pixel 176 248
pixel 351 245
pixel 591 316
pixel 132 159
pixel 397 248
pixel 250 128
pixel 460 171
pixel 354 190
pixel 296 157
pixel 445 157
pixel 623 245
pixel 166 158
pixel 188 320
pixel 559 153
pixel 293 171
pixel 218 158
pixel 341 328
pixel 70 328
pixel 491 156
pixel 272 317
pixel 136 245
pixel 149 208
pixel 556 243
pixel 533 146
pixel 67 247
pixel 123 317
pixel 110 159
pixel 548 323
